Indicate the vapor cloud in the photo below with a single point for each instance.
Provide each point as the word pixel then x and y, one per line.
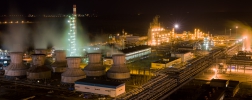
pixel 243 30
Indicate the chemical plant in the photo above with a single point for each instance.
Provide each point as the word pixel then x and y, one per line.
pixel 129 67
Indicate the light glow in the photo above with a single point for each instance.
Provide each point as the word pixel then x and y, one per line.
pixel 71 37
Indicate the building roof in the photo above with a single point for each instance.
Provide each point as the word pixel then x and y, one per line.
pixel 219 92
pixel 134 49
pixel 165 62
pixel 181 52
pixel 99 83
pixel 233 83
pixel 107 58
pixel 219 81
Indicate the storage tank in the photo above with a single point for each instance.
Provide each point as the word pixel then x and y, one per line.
pixel 118 69
pixel 94 67
pixel 16 68
pixel 38 70
pixel 60 64
pixel 73 71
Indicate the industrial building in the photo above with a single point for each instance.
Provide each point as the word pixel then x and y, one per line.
pixel 38 70
pixel 60 64
pixel 158 34
pixel 16 69
pixel 165 62
pixel 94 67
pixel 119 69
pixel 102 87
pixel 135 52
pixel 130 53
pixel 185 55
pixel 73 71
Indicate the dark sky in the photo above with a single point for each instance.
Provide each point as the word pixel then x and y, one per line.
pixel 209 15
pixel 125 6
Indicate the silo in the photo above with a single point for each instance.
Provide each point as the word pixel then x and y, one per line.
pixel 60 64
pixel 94 67
pixel 16 69
pixel 73 71
pixel 119 69
pixel 38 70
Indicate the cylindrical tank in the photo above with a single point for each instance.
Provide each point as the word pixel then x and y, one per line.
pixel 38 70
pixel 73 71
pixel 16 67
pixel 60 63
pixel 118 70
pixel 94 67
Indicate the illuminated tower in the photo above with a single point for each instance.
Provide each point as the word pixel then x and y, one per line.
pixel 72 50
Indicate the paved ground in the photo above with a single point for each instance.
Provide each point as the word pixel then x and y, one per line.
pixel 239 75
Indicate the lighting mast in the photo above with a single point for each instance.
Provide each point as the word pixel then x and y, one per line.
pixel 72 33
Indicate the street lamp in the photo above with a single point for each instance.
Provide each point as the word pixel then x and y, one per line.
pixel 230 32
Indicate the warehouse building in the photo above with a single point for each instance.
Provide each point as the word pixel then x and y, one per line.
pixel 102 87
pixel 166 62
pixel 185 55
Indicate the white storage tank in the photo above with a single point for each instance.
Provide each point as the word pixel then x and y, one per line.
pixel 94 67
pixel 73 71
pixel 60 64
pixel 38 70
pixel 16 69
pixel 119 69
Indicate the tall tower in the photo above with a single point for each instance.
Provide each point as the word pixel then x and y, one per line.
pixel 72 50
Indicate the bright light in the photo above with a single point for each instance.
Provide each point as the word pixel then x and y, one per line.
pixel 71 36
pixel 245 37
pixel 176 25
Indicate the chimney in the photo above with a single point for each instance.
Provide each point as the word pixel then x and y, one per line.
pixel 60 55
pixel 94 58
pixel 60 64
pixel 119 69
pixel 74 9
pixel 16 68
pixel 94 67
pixel 73 71
pixel 73 62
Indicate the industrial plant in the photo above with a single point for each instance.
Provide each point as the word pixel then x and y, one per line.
pixel 157 66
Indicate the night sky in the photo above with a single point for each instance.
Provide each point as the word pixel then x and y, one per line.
pixel 209 15
pixel 127 6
